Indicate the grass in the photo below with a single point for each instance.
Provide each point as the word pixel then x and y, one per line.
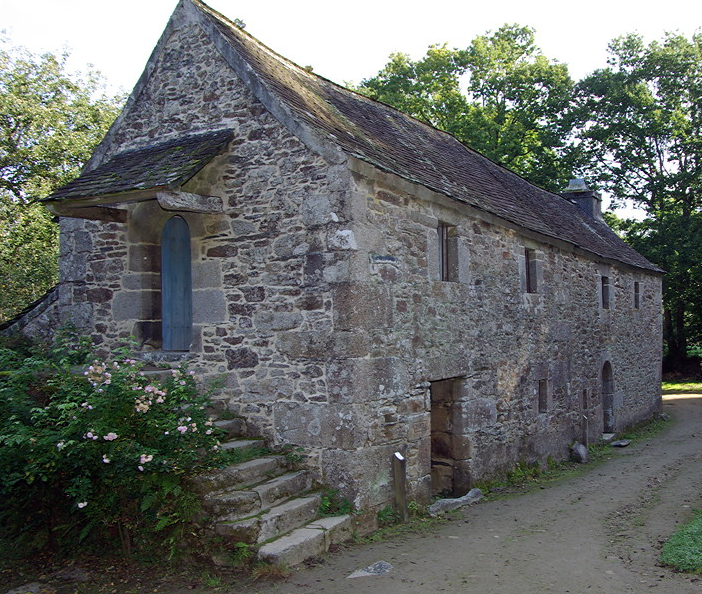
pixel 646 430
pixel 682 387
pixel 683 551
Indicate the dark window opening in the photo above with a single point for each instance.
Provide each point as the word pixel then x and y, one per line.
pixel 176 286
pixel 605 292
pixel 530 271
pixel 637 296
pixel 543 395
pixel 448 253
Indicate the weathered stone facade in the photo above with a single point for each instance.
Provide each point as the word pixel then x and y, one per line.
pixel 317 294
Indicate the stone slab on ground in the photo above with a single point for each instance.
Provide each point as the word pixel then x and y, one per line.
pixel 379 568
pixel 442 506
pixel 33 588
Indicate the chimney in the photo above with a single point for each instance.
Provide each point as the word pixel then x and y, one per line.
pixel 584 198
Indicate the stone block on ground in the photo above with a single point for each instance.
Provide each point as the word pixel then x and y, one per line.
pixel 579 453
pixel 445 505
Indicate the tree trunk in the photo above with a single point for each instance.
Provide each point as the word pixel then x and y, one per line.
pixel 675 337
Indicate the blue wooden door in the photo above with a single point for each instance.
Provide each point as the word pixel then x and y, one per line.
pixel 176 286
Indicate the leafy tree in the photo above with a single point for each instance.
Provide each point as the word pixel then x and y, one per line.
pixel 640 132
pixel 50 121
pixel 500 96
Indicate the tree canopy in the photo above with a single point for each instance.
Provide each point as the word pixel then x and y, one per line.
pixel 50 121
pixel 632 129
pixel 500 96
pixel 639 127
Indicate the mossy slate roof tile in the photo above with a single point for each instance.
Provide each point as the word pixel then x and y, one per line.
pixel 165 165
pixel 400 144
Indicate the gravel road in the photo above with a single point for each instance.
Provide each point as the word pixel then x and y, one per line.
pixel 597 532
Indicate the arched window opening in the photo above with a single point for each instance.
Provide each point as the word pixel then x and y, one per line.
pixel 608 397
pixel 176 286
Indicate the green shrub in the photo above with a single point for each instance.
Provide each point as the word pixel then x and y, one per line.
pixel 332 504
pixel 97 455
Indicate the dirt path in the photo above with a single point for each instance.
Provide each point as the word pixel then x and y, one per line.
pixel 599 532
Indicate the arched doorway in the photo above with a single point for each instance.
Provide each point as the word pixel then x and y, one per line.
pixel 176 286
pixel 608 397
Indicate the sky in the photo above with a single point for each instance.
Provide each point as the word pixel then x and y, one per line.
pixel 342 41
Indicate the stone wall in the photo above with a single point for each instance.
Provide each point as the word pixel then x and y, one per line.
pixel 487 334
pixel 265 271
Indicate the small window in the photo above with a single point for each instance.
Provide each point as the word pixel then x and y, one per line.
pixel 530 283
pixel 448 253
pixel 543 395
pixel 584 401
pixel 605 292
pixel 637 295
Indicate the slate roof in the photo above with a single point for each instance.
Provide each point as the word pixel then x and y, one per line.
pixel 367 129
pixel 395 142
pixel 167 166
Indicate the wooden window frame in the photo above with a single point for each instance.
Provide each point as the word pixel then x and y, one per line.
pixel 530 279
pixel 542 391
pixel 448 252
pixel 605 292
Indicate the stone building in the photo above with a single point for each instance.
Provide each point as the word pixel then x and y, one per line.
pixel 364 283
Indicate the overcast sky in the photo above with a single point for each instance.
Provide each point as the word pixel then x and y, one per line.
pixel 343 41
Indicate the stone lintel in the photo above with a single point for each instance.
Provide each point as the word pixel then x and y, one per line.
pixel 93 213
pixel 189 202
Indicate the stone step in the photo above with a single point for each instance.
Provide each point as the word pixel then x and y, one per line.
pixel 239 475
pixel 234 504
pixel 242 444
pixel 233 427
pixel 278 489
pixel 278 520
pixel 309 541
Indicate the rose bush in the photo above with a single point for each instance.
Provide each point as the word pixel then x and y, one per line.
pixel 94 452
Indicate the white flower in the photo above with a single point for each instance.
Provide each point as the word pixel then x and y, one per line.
pixel 82 504
pixel 60 445
pixel 111 436
pixel 105 459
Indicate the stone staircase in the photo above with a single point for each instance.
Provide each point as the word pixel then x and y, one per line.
pixel 267 504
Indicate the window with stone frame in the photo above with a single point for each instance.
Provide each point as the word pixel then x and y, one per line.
pixel 543 395
pixel 637 295
pixel 530 277
pixel 605 290
pixel 448 252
